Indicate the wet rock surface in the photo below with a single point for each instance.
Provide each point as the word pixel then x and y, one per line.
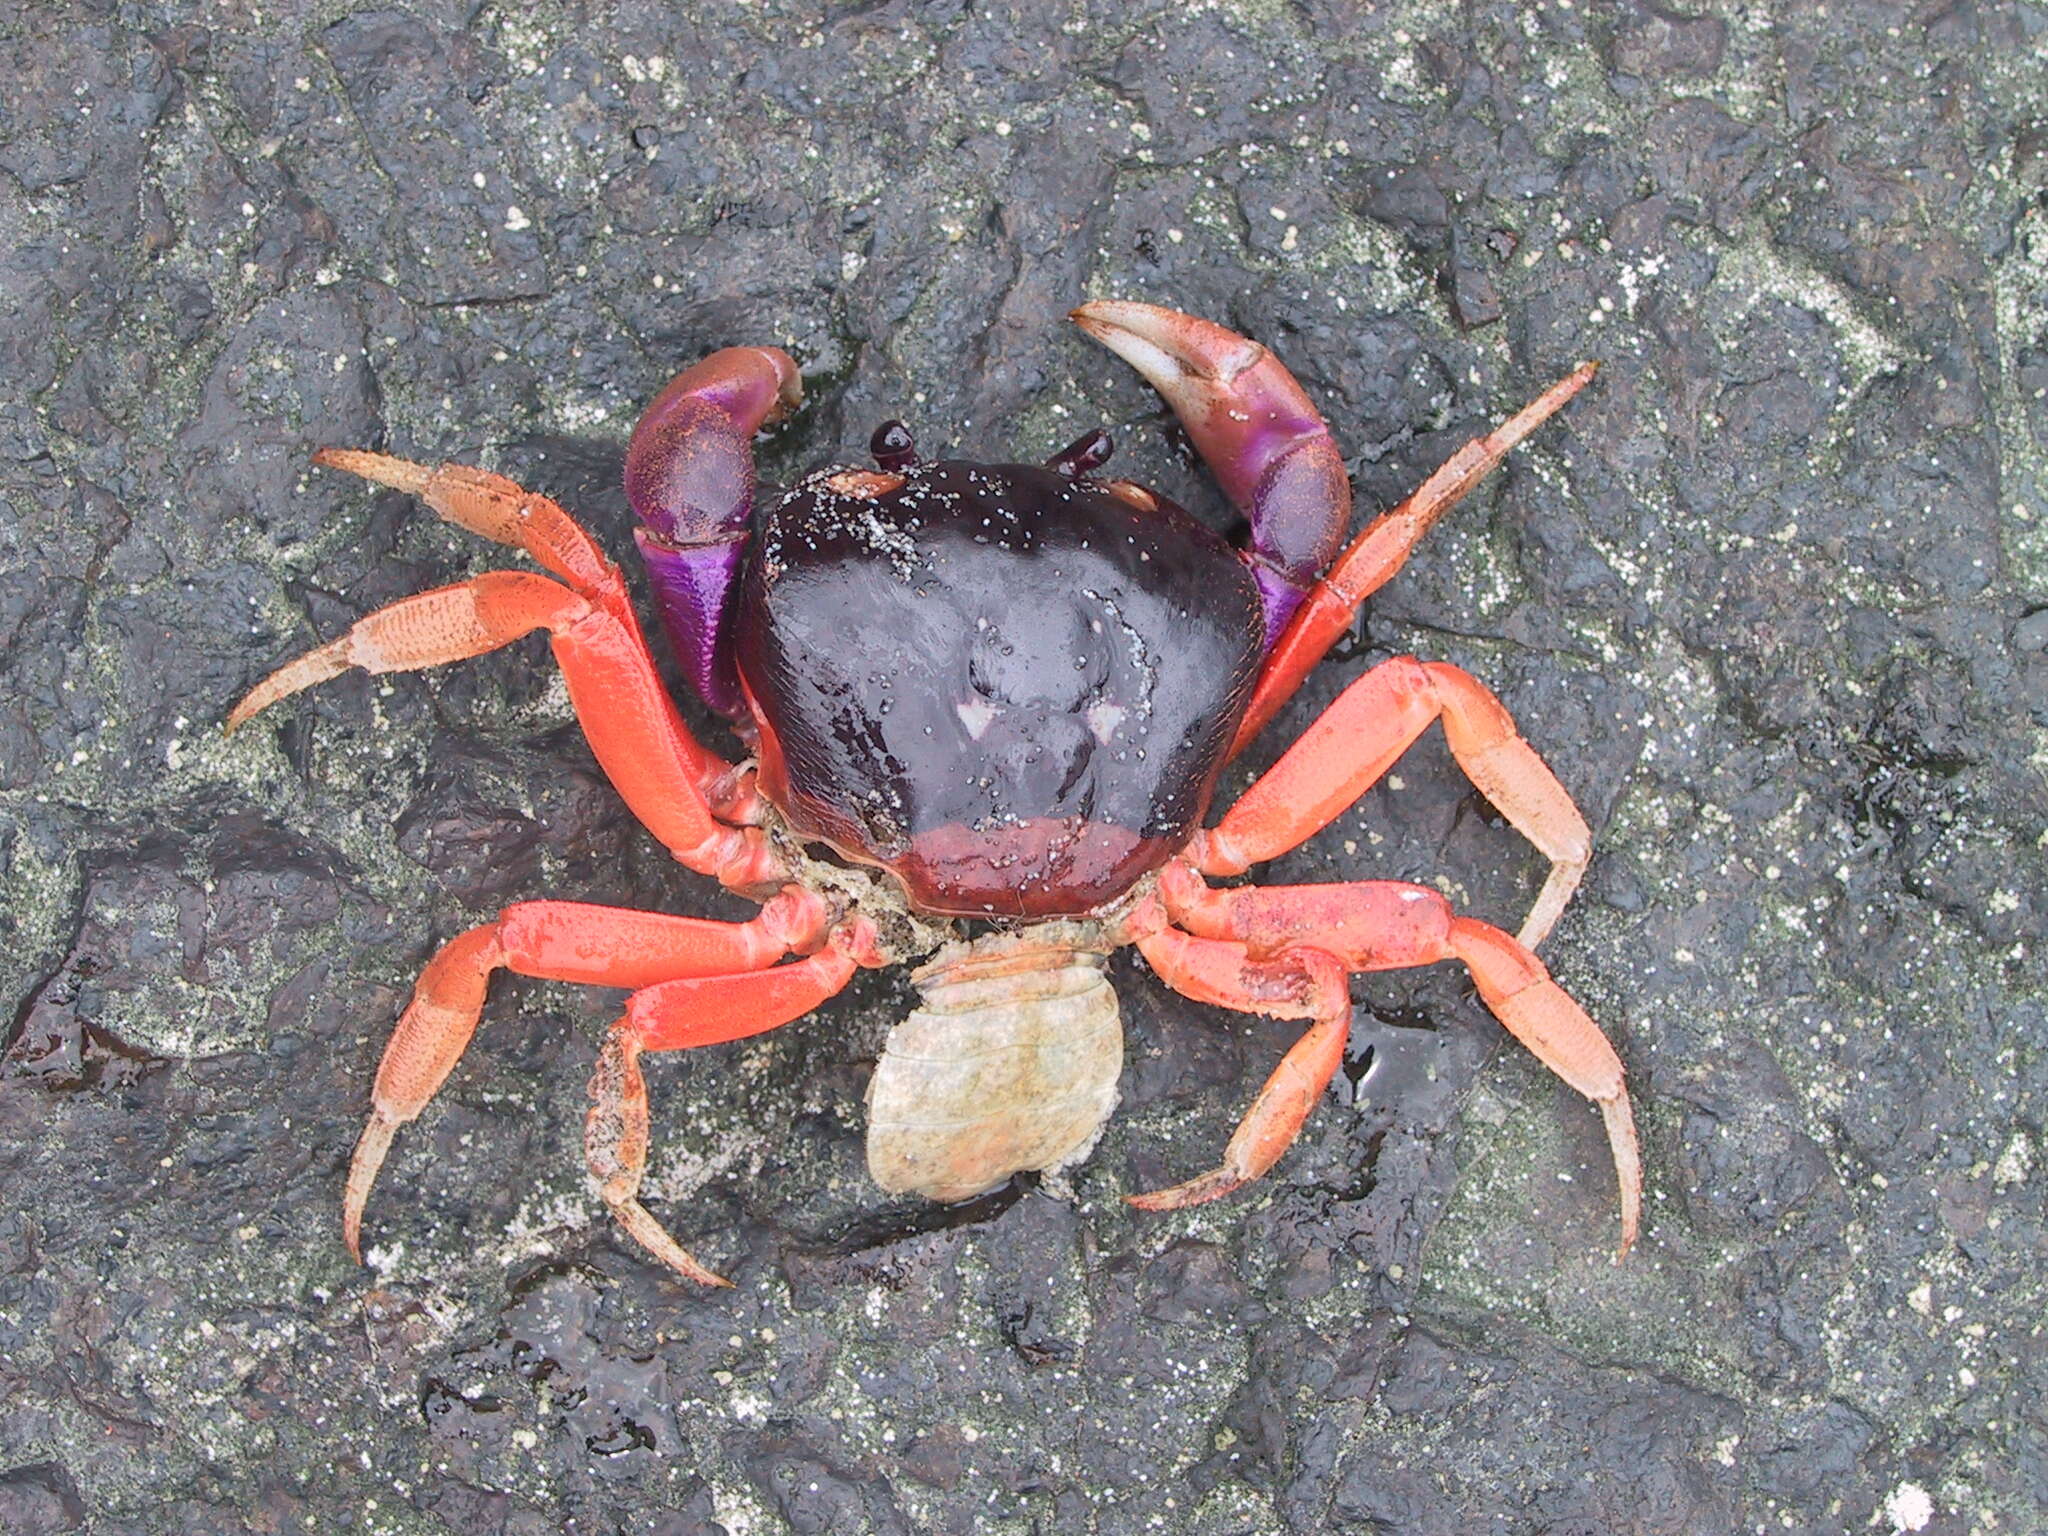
pixel 1769 596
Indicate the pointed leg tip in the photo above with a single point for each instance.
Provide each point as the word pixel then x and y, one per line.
pixel 1576 380
pixel 352 1227
pixel 653 1237
pixel 682 1261
pixel 685 1264
pixel 1630 1231
pixel 350 461
pixel 383 468
pixel 362 1174
pixel 255 701
pixel 321 664
pixel 1200 1190
pixel 1628 1167
pixel 280 684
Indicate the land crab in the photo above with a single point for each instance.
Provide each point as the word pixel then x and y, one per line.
pixel 998 694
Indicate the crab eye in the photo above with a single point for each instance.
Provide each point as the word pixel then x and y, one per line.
pixel 892 446
pixel 1089 451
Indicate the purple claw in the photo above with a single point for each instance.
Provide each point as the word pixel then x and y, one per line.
pixel 1261 438
pixel 690 479
pixel 690 587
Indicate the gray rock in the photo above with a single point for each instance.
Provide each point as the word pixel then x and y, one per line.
pixel 1768 596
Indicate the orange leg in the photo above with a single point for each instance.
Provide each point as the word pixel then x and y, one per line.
pixel 1382 549
pixel 1362 734
pixel 674 1016
pixel 1389 925
pixel 559 941
pixel 668 780
pixel 1304 983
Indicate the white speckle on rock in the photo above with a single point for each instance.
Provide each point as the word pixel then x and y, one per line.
pixel 516 219
pixel 1909 1508
pixel 2014 1163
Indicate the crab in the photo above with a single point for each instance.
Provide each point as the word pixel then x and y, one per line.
pixel 985 708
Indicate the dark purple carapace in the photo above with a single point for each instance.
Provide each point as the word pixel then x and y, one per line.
pixel 1011 686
